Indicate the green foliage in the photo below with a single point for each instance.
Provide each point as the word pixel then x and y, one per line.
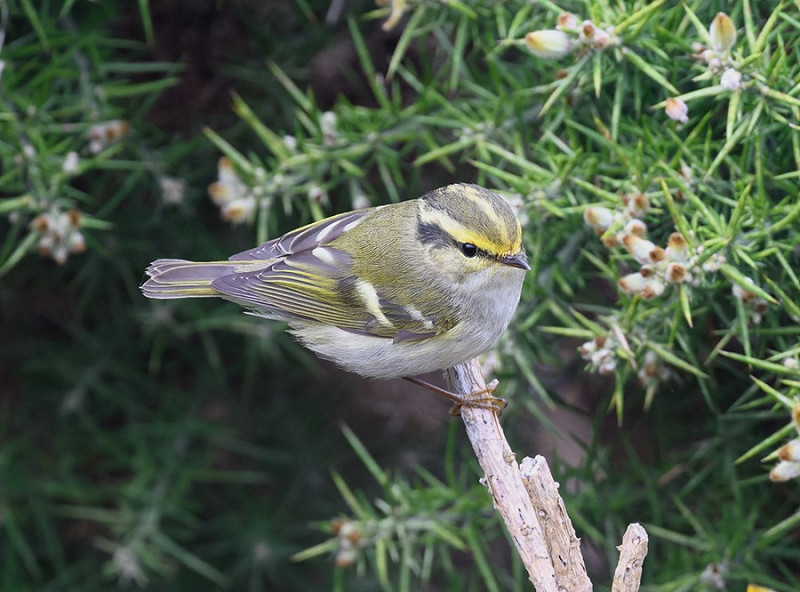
pixel 654 163
pixel 414 526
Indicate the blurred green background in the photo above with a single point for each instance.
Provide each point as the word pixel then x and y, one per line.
pixel 184 445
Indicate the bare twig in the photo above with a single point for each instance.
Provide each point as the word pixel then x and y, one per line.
pixel 563 543
pixel 628 574
pixel 529 503
pixel 502 477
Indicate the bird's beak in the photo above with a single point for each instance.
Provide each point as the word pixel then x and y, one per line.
pixel 515 260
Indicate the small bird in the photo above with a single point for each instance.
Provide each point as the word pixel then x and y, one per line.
pixel 385 292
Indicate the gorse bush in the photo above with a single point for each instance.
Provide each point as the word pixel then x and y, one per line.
pixel 652 152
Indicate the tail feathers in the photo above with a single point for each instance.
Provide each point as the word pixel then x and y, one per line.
pixel 177 278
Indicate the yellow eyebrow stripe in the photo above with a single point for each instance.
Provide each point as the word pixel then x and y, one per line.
pixel 462 234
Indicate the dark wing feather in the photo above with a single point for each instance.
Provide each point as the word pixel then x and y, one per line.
pixel 305 238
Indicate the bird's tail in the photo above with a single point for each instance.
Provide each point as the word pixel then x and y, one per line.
pixel 177 278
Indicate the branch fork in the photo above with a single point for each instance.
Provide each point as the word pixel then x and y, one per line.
pixel 527 498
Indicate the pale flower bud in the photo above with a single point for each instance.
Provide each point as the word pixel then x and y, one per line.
pixel 791 363
pixel 677 249
pixel 651 369
pixel 239 210
pixel 220 193
pixel 346 556
pixel 599 218
pixel 723 33
pixel 609 241
pixel 714 263
pixel 59 234
pixel 602 357
pixel 567 20
pixel 230 193
pixel 636 227
pixel 117 129
pixel 327 125
pixel 653 288
pixel 686 172
pixel 318 195
pixel 588 30
pixel 328 122
pixel 70 164
pixel 74 218
pixel 657 255
pixel 608 366
pixel 227 174
pixel 102 135
pixel 587 349
pixel 76 243
pixel 644 251
pixel 677 110
pixel 350 531
pixel 731 79
pixel 790 451
pixel 41 223
pixel 601 39
pixel 173 190
pixel 633 283
pixel 705 55
pixel 290 142
pixel 60 253
pixel 45 245
pixel 548 44
pixel 650 364
pixel 676 272
pixel 639 203
pixel 784 471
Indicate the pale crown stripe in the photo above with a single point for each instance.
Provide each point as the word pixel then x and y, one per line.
pixel 482 203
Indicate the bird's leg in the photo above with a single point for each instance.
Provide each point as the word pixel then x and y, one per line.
pixel 482 399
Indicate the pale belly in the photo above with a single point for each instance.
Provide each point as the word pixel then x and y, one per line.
pixel 381 357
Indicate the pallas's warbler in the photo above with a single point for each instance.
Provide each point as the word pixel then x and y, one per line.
pixel 391 291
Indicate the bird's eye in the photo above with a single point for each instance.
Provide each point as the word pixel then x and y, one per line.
pixel 469 250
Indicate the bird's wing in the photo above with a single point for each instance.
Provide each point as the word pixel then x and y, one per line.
pixel 306 238
pixel 310 280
